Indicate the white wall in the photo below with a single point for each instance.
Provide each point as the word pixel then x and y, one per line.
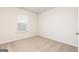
pixel 8 30
pixel 78 29
pixel 59 24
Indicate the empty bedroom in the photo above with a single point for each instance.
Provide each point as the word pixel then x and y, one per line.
pixel 38 29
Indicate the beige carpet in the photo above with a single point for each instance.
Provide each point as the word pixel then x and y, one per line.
pixel 38 44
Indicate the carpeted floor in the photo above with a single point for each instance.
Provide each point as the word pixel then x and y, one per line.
pixel 38 44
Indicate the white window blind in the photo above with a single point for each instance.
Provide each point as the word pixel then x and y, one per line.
pixel 22 23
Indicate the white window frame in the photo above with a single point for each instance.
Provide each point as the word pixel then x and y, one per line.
pixel 22 20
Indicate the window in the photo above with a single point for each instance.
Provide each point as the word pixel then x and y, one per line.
pixel 21 27
pixel 22 23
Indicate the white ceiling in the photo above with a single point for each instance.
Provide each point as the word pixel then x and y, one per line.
pixel 37 9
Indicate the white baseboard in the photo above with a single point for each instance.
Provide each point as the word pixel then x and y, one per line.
pixel 58 40
pixel 7 41
pixel 40 36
